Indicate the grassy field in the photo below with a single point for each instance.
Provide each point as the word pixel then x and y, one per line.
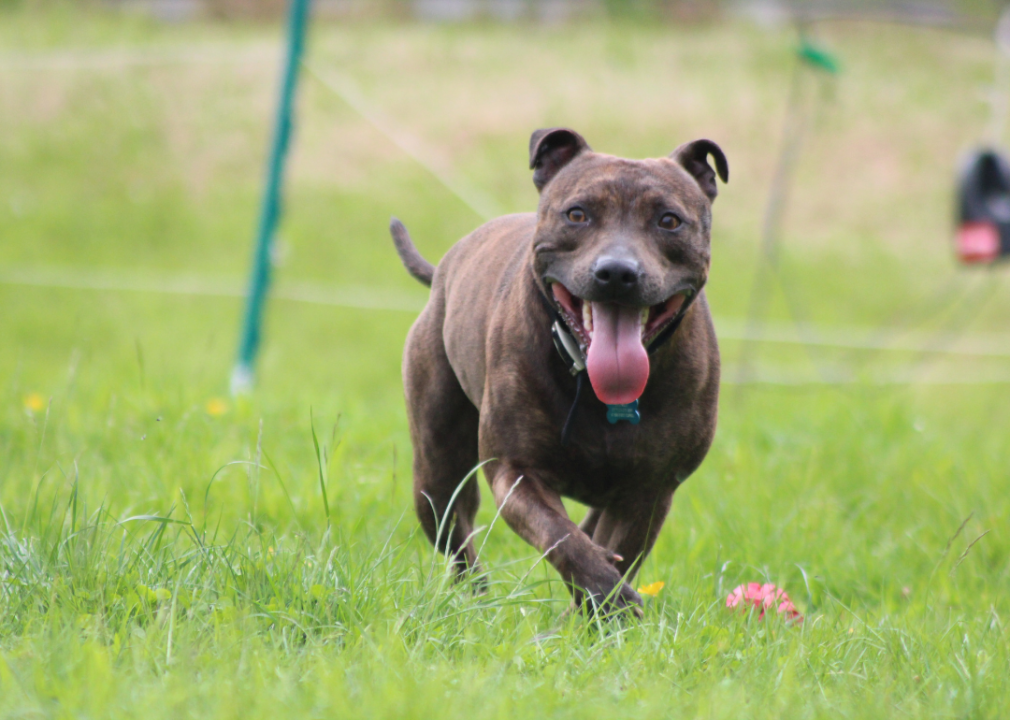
pixel 166 551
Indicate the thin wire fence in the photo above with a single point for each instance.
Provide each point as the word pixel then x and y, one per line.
pixel 369 297
pixel 950 339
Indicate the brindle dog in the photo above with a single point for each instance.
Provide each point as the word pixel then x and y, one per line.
pixel 619 251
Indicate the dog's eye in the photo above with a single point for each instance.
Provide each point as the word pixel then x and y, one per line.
pixel 669 222
pixel 577 215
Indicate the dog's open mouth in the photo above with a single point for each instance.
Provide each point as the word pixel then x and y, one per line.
pixel 615 339
pixel 579 315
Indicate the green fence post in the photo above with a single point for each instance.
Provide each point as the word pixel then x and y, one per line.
pixel 270 211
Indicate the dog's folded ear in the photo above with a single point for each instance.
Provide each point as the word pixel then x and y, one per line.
pixel 550 150
pixel 693 157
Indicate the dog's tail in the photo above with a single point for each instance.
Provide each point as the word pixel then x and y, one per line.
pixel 416 265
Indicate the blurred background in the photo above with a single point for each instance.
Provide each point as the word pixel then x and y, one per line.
pixel 134 137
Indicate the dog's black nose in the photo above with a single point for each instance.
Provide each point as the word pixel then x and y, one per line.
pixel 615 276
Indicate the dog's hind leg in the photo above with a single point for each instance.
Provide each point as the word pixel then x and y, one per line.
pixel 443 430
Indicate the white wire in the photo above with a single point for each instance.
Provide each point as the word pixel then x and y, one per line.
pixel 995 345
pixel 482 205
pixel 347 296
pixel 786 377
pixel 128 57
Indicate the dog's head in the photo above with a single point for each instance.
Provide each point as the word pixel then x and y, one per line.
pixel 620 246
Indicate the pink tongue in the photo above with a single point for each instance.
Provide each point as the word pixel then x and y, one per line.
pixel 617 362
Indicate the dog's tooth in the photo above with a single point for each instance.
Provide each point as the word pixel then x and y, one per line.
pixel 587 317
pixel 643 318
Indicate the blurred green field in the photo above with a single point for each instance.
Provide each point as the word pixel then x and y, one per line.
pixel 165 551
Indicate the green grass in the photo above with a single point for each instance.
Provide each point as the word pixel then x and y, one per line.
pixel 165 552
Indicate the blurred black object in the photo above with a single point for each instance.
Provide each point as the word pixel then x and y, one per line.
pixel 983 232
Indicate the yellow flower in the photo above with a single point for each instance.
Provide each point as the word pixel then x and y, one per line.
pixel 216 407
pixel 652 589
pixel 34 402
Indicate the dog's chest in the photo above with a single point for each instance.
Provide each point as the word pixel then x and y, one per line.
pixel 594 469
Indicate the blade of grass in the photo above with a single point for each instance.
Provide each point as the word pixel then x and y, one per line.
pixel 321 464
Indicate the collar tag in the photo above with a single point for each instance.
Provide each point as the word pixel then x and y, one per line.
pixel 629 412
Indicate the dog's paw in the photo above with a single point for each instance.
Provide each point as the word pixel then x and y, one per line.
pixel 620 602
pixel 602 590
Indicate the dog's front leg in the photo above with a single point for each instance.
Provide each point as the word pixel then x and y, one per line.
pixel 535 512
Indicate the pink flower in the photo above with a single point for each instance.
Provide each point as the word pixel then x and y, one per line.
pixel 764 596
